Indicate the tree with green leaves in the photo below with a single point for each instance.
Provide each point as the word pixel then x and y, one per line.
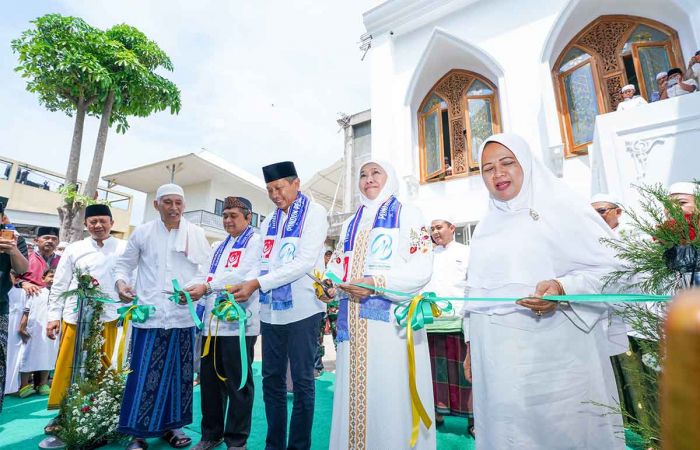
pixel 78 69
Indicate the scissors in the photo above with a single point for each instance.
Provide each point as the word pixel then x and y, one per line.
pixel 323 283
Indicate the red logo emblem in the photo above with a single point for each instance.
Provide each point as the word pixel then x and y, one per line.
pixel 234 258
pixel 346 266
pixel 267 248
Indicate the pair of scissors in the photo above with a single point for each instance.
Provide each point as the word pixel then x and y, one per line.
pixel 323 283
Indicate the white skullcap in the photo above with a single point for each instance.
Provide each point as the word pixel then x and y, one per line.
pixel 169 189
pixel 683 187
pixel 629 87
pixel 660 75
pixel 446 218
pixel 607 198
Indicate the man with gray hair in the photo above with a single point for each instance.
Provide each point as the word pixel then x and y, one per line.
pixel 158 394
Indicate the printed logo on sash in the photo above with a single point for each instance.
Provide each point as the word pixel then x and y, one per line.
pixel 234 258
pixel 267 248
pixel 381 248
pixel 287 252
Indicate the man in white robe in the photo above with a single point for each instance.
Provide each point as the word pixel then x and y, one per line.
pixel 96 255
pixel 445 340
pixel 158 395
pixel 677 86
pixel 629 100
pixel 693 70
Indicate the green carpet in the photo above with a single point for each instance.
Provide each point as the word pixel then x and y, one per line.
pixel 22 422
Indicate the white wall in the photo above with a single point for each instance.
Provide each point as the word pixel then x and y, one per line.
pixel 511 42
pixel 197 196
pixel 221 189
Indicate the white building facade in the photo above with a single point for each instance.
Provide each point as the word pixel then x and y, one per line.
pixel 447 73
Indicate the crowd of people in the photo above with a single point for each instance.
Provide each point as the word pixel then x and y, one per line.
pixel 529 373
pixel 671 83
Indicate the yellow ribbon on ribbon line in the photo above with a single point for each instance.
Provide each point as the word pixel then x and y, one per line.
pixel 207 345
pixel 418 412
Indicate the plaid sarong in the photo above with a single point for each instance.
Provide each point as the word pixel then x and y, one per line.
pixel 453 393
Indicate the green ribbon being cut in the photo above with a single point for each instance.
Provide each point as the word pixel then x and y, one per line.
pixel 175 298
pixel 226 308
pixel 80 298
pixel 421 309
pixel 136 313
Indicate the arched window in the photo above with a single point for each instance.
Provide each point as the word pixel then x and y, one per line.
pixel 458 113
pixel 610 52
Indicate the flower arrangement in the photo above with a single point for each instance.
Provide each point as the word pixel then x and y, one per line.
pixel 89 414
pixel 657 255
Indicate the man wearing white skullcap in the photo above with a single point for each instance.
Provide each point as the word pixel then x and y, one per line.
pixel 609 209
pixel 660 93
pixel 169 189
pixel 450 261
pixel 684 192
pixel 629 100
pixel 158 395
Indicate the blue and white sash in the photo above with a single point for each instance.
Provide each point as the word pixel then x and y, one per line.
pixel 382 249
pixel 280 298
pixel 236 255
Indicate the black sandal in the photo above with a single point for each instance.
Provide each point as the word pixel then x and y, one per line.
pixel 470 430
pixel 137 444
pixel 177 439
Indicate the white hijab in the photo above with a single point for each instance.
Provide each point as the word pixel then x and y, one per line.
pixel 391 187
pixel 546 231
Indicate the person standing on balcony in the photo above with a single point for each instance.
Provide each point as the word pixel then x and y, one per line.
pixel 693 70
pixel 158 393
pixel 43 257
pixel 293 237
pixel 676 86
pixel 660 94
pixel 226 410
pixel 629 100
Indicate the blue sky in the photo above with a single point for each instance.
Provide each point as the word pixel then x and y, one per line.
pixel 260 81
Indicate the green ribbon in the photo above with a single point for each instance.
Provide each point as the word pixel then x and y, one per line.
pixel 427 310
pixel 138 313
pixel 226 308
pixel 175 298
pixel 428 307
pixel 81 298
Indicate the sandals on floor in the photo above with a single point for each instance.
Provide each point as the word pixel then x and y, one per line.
pixel 176 439
pixel 470 430
pixel 137 444
pixel 52 427
pixel 208 445
pixel 26 391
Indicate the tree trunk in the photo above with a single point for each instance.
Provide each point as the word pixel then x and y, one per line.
pixel 90 189
pixel 67 212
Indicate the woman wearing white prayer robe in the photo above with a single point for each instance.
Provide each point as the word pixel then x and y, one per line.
pixel 386 243
pixel 540 370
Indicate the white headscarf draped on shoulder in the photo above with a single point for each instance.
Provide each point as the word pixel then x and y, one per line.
pixel 391 187
pixel 547 231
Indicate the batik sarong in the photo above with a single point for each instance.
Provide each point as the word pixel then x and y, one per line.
pixel 158 394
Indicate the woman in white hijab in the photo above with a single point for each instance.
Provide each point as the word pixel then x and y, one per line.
pixel 540 370
pixel 385 244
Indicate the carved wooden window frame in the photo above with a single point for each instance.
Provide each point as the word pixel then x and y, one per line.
pixel 608 70
pixel 458 118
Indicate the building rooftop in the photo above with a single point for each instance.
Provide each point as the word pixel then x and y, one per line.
pixel 188 169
